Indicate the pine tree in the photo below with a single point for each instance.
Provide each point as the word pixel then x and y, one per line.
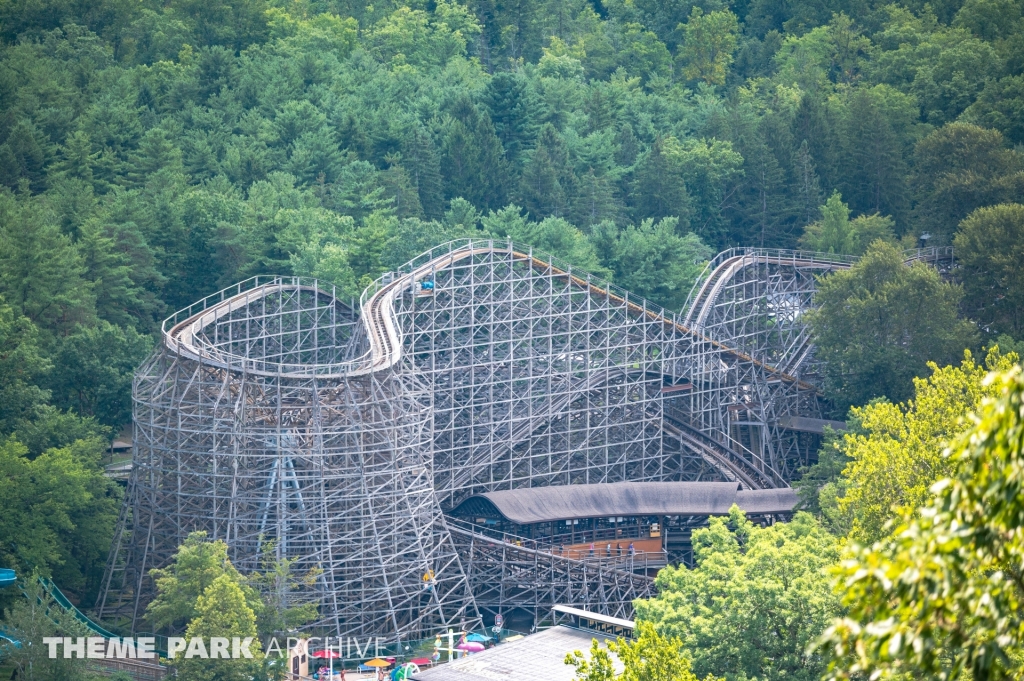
pixel 812 125
pixel 399 188
pixel 874 171
pixel 627 148
pixel 512 108
pixel 22 157
pixel 421 160
pixel 596 200
pixel 761 201
pixel 658 187
pixel 42 275
pixel 473 163
pixel 548 184
pixel 156 152
pixel 808 187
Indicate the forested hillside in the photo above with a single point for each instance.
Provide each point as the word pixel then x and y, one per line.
pixel 154 152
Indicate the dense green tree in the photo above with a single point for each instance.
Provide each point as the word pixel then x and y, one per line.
pixel 473 163
pixel 959 168
pixel 873 167
pixel 121 267
pixel 649 657
pixel 1001 106
pixel 96 368
pixel 814 125
pixel 22 157
pixel 709 41
pixel 423 164
pixel 930 61
pixel 761 204
pixel 941 597
pixel 754 600
pixel 222 610
pixel 59 513
pixel 197 565
pixel 23 366
pixel 550 235
pixel 652 259
pixel 41 271
pixel 51 428
pixel 513 108
pixel 709 168
pixel 548 185
pixel 659 189
pixel 399 188
pixel 895 453
pixel 990 248
pixel 879 323
pixel 837 233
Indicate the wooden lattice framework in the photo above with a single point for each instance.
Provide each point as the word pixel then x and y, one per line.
pixel 274 411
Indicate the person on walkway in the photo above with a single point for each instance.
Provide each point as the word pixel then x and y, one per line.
pixel 608 549
pixel 632 550
pixel 619 547
pixel 591 549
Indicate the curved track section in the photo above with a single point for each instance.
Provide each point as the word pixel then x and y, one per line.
pixel 274 410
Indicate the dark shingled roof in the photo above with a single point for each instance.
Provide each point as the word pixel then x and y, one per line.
pixel 544 504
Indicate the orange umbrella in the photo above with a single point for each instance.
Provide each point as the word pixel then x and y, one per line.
pixel 377 662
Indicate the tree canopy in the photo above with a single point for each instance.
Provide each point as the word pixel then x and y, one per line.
pixel 878 324
pixel 754 600
pixel 942 595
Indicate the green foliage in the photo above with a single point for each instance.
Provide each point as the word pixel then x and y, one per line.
pixel 1000 105
pixel 222 609
pixel 650 657
pixel 276 583
pixel 198 564
pixel 59 513
pixel 708 44
pixel 22 367
pixel 652 260
pixel 897 453
pixel 836 233
pixel 31 619
pixel 959 168
pixel 990 246
pixel 879 323
pixel 42 274
pixel 97 364
pixel 755 599
pixel 942 596
pixel 659 188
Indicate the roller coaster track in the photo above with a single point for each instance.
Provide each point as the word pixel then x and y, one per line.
pixel 726 265
pixel 385 339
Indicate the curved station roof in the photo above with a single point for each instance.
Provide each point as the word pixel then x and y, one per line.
pixel 545 504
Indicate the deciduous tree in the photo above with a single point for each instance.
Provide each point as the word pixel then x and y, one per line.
pixel 709 41
pixel 755 599
pixel 942 596
pixel 879 323
pixel 990 247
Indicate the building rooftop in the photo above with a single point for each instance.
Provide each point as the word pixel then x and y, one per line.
pixel 537 657
pixel 545 504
